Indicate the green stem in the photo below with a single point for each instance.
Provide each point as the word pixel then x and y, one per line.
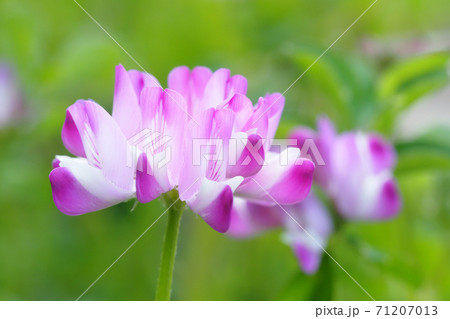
pixel 164 286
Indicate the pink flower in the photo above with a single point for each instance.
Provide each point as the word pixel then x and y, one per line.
pixel 201 113
pixel 307 226
pixel 101 175
pixel 357 174
pixel 309 240
pixel 11 103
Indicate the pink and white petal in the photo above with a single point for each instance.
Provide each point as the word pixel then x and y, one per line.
pixel 346 164
pixel 221 131
pixel 147 186
pixel 103 141
pixel 197 134
pixel 213 202
pixel 126 109
pixel 308 227
pixel 286 180
pixel 80 188
pixel 248 219
pixel 246 156
pixel 176 118
pixel 165 114
pixel 151 107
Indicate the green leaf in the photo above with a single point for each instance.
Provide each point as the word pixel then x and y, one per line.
pixel 299 288
pixel 318 286
pixel 431 151
pixel 324 74
pixel 409 80
pixel 347 82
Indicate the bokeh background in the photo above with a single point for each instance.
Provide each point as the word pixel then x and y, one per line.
pixel 388 73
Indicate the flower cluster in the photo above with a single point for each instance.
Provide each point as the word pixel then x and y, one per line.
pixel 218 141
pixel 353 169
pixel 203 137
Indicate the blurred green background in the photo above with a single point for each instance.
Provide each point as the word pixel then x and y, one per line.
pixel 382 75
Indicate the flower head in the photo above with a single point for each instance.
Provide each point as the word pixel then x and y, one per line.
pixel 357 171
pixel 201 113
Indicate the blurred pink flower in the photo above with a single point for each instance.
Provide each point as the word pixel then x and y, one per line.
pixel 357 174
pixel 11 101
pixel 307 226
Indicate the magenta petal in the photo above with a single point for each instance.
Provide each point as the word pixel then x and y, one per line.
pixel 309 259
pixel 69 196
pixel 55 163
pixel 147 187
pixel 248 219
pixel 71 137
pixel 73 198
pixel 250 160
pixel 213 203
pixel 382 153
pixel 217 214
pixel 389 201
pixel 277 182
pixel 294 185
